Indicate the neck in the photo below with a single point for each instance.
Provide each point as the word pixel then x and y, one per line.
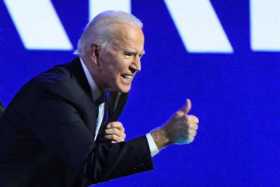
pixel 95 74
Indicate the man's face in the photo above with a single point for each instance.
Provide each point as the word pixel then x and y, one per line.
pixel 120 60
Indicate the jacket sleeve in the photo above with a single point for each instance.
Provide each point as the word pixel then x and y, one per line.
pixel 61 128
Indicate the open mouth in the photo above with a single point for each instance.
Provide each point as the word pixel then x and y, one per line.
pixel 127 76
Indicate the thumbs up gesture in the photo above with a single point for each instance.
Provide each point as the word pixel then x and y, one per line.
pixel 181 128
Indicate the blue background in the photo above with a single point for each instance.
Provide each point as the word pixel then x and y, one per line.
pixel 236 96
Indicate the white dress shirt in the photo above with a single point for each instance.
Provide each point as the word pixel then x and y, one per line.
pixel 96 93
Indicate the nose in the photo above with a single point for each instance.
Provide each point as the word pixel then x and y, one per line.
pixel 137 63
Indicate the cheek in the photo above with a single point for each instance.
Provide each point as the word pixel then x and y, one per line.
pixel 116 66
pixel 113 70
pixel 113 65
pixel 110 69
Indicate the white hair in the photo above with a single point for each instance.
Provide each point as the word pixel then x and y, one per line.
pixel 100 30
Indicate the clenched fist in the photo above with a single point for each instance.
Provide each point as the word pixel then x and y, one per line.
pixel 115 132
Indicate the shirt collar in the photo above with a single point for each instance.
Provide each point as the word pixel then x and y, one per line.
pixel 95 91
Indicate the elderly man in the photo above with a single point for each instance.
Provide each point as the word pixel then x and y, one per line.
pixel 61 129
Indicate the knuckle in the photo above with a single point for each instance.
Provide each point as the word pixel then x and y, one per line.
pixel 120 124
pixel 115 132
pixel 196 119
pixel 117 123
pixel 179 114
pixel 191 132
pixel 122 128
pixel 193 125
pixel 114 123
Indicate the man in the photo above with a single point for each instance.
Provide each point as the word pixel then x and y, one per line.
pixel 61 129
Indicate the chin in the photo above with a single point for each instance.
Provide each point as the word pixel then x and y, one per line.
pixel 119 89
pixel 124 89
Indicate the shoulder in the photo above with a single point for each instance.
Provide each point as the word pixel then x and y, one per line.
pixel 60 76
pixel 55 76
pixel 61 80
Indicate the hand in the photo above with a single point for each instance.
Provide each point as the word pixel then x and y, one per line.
pixel 181 128
pixel 115 132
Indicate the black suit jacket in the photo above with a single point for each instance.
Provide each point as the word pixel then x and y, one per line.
pixel 47 135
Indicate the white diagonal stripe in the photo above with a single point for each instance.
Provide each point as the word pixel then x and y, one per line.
pixel 97 6
pixel 199 26
pixel 38 24
pixel 265 25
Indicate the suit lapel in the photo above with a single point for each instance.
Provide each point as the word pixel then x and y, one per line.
pixel 76 69
pixel 86 103
pixel 115 101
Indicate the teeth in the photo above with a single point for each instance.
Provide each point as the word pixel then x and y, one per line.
pixel 128 76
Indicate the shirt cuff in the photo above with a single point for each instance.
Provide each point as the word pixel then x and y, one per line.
pixel 152 145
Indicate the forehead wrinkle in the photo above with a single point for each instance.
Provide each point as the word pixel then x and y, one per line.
pixel 126 36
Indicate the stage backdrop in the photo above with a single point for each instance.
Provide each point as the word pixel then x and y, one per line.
pixel 223 55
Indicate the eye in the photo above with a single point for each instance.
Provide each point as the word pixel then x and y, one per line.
pixel 129 53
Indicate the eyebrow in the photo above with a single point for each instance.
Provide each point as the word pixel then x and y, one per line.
pixel 134 51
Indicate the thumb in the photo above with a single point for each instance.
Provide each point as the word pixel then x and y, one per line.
pixel 187 107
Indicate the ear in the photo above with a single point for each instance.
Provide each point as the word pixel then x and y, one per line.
pixel 94 54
